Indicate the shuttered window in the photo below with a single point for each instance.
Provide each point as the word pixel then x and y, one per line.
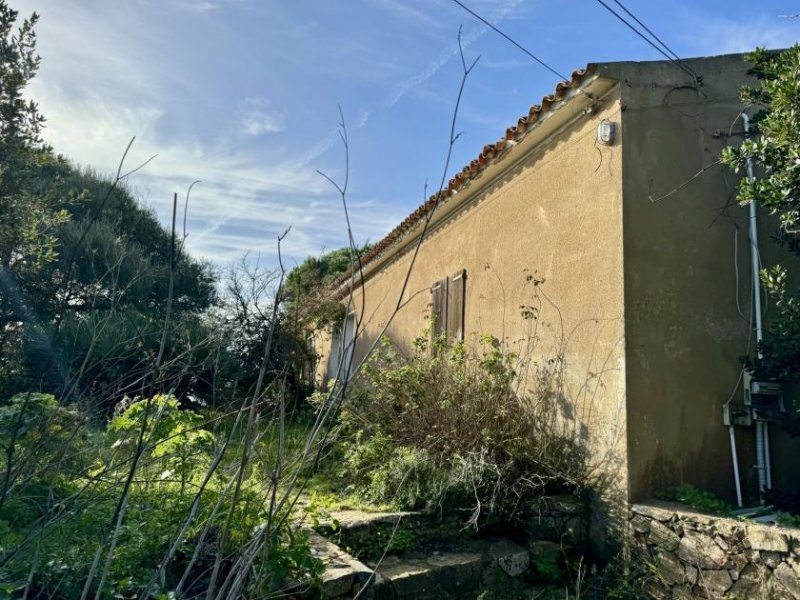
pixel 439 308
pixel 455 306
pixel 447 307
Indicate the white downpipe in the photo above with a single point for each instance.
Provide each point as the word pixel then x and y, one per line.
pixel 767 463
pixel 760 457
pixel 735 459
pixel 754 255
pixel 762 432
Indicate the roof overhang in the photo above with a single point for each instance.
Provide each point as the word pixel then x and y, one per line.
pixel 578 102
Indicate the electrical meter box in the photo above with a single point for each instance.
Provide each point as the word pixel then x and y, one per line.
pixel 765 398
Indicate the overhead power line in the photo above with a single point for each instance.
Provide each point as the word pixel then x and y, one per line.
pixel 510 39
pixel 663 49
pixel 648 30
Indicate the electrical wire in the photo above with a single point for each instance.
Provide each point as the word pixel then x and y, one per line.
pixel 648 30
pixel 698 79
pixel 513 41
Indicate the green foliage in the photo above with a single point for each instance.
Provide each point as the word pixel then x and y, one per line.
pixel 86 488
pixel 447 427
pixel 85 277
pixel 699 500
pixel 775 150
pixel 290 556
pixel 631 575
pixel 33 429
pixel 181 442
pixel 307 288
pixel 777 147
pixel 549 565
pixel 788 520
pixel 29 213
pixel 384 538
pixel 382 472
pixel 77 251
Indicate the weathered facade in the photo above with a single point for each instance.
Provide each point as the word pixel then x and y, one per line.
pixel 639 293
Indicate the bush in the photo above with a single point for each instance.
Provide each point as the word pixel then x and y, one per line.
pixel 448 427
pixel 36 436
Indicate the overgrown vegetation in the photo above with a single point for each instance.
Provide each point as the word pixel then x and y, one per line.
pixel 53 512
pixel 152 430
pixel 447 428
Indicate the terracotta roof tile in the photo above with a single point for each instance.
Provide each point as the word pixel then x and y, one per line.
pixel 513 133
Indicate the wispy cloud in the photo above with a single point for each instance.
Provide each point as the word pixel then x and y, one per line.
pixel 259 117
pixel 200 6
pixel 719 35
pixel 414 81
pixel 101 87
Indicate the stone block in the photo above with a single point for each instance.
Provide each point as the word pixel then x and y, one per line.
pixel 752 579
pixel 683 592
pixel 670 568
pixel 663 537
pixel 739 561
pixel 699 550
pixel 512 558
pixel 715 582
pixel 764 538
pixel 722 543
pixel 640 524
pixel 690 574
pixel 653 512
pixel 771 559
pixel 788 579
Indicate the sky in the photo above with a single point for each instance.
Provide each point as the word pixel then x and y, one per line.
pixel 244 96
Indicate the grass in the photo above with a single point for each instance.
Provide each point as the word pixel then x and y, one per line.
pixel 699 500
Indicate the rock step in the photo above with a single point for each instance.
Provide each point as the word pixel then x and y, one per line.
pixel 362 533
pixel 343 575
pixel 456 575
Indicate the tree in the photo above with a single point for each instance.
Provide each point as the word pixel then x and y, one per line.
pixel 776 150
pixel 85 271
pixel 308 292
pixel 28 214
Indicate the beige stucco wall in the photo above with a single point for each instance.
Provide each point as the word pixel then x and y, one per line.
pixel 684 334
pixel 555 214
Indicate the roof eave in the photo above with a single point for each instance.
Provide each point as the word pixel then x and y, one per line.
pixel 519 141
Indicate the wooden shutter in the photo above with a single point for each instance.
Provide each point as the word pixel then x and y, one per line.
pixel 455 306
pixel 439 308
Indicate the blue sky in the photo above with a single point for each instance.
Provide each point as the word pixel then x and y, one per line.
pixel 243 94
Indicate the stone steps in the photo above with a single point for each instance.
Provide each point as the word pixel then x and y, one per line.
pixel 433 557
pixel 461 573
pixel 449 575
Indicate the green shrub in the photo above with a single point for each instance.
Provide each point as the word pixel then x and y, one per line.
pixel 383 473
pixel 699 500
pixel 447 427
pixel 171 434
pixel 39 440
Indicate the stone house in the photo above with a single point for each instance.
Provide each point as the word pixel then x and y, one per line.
pixel 588 212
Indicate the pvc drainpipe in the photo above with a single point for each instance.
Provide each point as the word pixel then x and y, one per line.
pixel 735 459
pixel 762 432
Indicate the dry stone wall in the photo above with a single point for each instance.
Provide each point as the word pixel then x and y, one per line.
pixel 699 556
